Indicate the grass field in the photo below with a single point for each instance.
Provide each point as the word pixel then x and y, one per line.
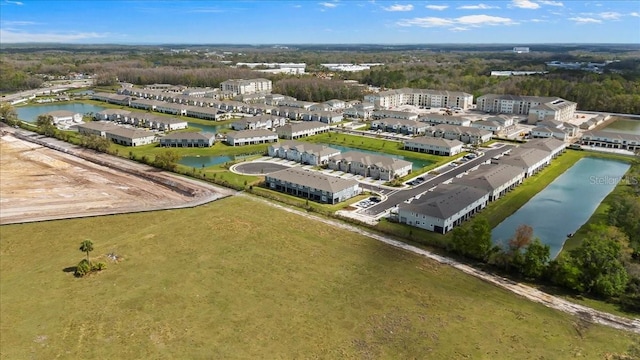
pixel 239 279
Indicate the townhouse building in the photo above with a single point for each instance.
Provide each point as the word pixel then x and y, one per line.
pixel 444 208
pixel 188 139
pixel 370 165
pixel 437 119
pixel 304 153
pixel 251 137
pixel 612 140
pixel 312 185
pixel 111 98
pixel 400 126
pixel 497 179
pixel 392 114
pixel 466 134
pixel 433 145
pixel 111 114
pixel 294 131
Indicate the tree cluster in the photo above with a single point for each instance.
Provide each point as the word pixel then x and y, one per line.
pixel 86 266
pixel 95 142
pixel 167 160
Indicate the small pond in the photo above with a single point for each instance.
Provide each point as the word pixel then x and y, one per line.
pixel 31 113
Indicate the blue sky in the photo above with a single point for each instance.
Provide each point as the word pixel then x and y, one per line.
pixel 320 22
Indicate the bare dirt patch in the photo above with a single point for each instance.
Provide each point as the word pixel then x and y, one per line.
pixel 38 183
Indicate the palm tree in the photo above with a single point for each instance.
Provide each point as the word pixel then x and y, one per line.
pixel 86 246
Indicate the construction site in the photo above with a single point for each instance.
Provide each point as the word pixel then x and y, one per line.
pixel 39 183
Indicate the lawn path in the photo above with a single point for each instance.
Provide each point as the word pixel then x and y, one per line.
pixel 528 292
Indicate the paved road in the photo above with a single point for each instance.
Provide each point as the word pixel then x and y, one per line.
pixel 396 197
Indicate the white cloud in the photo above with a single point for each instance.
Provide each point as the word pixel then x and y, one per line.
pixel 9 36
pixel 538 20
pixel 585 20
pixel 297 6
pixel 551 3
pixel 477 20
pixel 457 24
pixel 477 7
pixel 328 4
pixel 610 15
pixel 17 23
pixel 426 22
pixel 437 7
pixel 19 3
pixel 524 4
pixel 398 7
pixel 635 14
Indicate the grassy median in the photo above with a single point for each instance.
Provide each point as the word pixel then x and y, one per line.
pixel 240 279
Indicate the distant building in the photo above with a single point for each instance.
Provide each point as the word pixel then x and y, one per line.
pixel 400 126
pixel 611 140
pixel 521 50
pixel 537 108
pixel 419 97
pixel 251 86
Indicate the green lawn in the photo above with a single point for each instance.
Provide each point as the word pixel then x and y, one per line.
pixel 239 279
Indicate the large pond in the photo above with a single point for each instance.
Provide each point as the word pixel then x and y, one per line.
pixel 626 126
pixel 417 163
pixel 565 204
pixel 31 113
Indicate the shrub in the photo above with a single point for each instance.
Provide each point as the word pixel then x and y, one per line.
pixel 84 267
pixel 98 266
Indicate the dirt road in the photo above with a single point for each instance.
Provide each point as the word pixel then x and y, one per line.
pixel 530 293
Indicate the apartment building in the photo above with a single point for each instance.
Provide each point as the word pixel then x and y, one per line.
pixel 535 107
pixel 250 86
pixel 420 97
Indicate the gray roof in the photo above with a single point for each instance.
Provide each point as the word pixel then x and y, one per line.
pixel 490 177
pixel 445 201
pixel 61 113
pixel 131 133
pixel 189 136
pixel 434 141
pixel 303 147
pixel 251 133
pixel 380 161
pixel 611 135
pixel 114 111
pixel 401 122
pixel 98 125
pixel 307 125
pixel 547 144
pixel 313 179
pixel 461 129
pixel 524 157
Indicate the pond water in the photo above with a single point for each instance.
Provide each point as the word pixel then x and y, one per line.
pixel 417 163
pixel 198 161
pixel 565 204
pixel 31 113
pixel 626 126
pixel 214 129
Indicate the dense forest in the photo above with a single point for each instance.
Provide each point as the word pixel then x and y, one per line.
pixel 616 90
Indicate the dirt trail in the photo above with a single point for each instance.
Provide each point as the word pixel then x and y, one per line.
pixel 530 293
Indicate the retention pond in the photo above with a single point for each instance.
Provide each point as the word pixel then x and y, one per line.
pixel 565 204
